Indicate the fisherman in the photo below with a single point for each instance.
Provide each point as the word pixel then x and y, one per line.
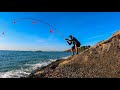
pixel 75 43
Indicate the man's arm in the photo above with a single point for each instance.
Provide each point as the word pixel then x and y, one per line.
pixel 69 41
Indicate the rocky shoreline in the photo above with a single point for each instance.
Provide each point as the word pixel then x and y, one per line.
pixel 40 72
pixel 99 61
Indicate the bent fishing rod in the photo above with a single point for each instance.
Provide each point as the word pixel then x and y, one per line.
pixel 38 20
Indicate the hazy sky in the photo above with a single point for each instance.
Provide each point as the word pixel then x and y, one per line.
pixel 88 27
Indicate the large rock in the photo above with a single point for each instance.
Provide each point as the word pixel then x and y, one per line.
pixel 102 61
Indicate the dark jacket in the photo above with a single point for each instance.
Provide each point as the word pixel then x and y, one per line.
pixel 73 41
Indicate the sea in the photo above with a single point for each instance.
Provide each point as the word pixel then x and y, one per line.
pixel 16 64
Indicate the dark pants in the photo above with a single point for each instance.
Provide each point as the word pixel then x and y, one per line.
pixel 78 45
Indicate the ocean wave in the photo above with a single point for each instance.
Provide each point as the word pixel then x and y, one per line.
pixel 13 74
pixel 23 72
pixel 40 64
pixel 65 57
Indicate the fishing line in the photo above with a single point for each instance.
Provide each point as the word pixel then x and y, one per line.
pixel 36 21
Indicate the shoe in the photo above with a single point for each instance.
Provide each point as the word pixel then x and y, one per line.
pixel 73 55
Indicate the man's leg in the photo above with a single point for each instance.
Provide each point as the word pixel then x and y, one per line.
pixel 72 50
pixel 76 48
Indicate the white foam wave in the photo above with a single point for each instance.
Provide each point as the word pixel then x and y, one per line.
pixel 13 74
pixel 65 57
pixel 25 72
pixel 40 64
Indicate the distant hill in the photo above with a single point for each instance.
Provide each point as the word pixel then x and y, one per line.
pixel 39 51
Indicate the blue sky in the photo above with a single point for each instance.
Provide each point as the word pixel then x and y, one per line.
pixel 88 27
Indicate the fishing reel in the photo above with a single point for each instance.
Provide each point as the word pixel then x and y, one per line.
pixel 66 39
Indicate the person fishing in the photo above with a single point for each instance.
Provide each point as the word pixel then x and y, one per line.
pixel 75 43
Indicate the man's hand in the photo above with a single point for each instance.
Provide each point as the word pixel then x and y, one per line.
pixel 66 39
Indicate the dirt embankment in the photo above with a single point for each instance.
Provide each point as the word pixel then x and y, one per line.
pixel 100 61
